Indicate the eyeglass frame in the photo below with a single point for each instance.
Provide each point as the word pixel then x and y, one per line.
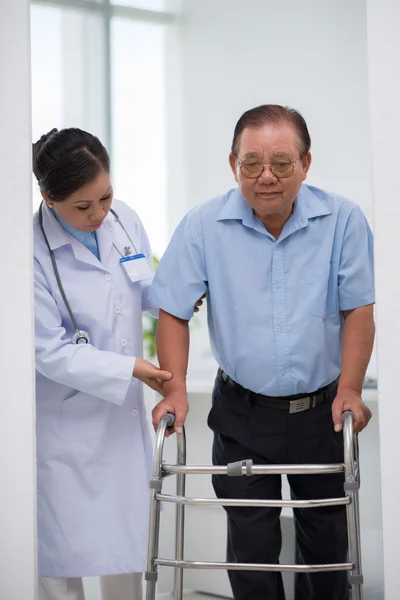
pixel 269 166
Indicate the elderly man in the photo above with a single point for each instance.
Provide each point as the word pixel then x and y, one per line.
pixel 288 273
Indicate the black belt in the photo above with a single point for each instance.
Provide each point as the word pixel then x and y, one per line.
pixel 292 404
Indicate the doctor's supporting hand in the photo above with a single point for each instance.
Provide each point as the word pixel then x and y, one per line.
pixel 150 374
pixel 199 303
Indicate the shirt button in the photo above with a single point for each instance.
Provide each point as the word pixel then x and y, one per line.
pixel 107 277
pixel 283 371
pixel 117 310
pixel 134 412
pixel 124 343
pixel 278 286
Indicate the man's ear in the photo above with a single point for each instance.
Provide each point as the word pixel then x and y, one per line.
pixel 234 166
pixel 306 162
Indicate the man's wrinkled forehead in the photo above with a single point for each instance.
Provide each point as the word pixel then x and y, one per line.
pixel 281 155
pixel 278 140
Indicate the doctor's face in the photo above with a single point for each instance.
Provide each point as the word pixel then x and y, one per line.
pixel 86 208
pixel 275 144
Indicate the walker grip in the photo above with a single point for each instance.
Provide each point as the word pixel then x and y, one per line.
pixel 170 418
pixel 346 414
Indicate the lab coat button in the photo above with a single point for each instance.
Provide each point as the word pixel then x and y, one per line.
pixel 124 343
pixel 134 412
pixel 107 277
pixel 117 310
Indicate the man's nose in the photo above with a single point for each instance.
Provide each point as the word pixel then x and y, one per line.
pixel 267 175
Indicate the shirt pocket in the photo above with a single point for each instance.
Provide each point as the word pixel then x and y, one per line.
pixel 316 290
pixel 84 417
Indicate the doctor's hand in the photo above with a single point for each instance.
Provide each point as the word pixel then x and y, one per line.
pixel 175 402
pixel 199 303
pixel 150 374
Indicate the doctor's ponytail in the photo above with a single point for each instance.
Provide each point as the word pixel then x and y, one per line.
pixel 64 161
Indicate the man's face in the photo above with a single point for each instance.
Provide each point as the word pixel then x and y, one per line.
pixel 274 144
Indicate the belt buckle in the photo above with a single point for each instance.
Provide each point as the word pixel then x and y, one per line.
pixel 296 406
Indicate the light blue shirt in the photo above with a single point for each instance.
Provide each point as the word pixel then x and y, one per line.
pixel 274 306
pixel 87 238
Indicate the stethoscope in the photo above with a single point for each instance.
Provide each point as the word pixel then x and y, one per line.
pixel 80 336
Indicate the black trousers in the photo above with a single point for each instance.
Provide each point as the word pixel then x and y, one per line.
pixel 243 430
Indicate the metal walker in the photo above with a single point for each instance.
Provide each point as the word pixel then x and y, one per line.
pixel 350 468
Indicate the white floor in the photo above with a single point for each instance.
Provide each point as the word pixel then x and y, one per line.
pixel 198 597
pixel 92 592
pixel 192 596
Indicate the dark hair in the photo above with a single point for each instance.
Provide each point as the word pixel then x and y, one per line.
pixel 272 113
pixel 66 160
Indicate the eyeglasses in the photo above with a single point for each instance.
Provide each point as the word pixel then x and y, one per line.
pixel 252 169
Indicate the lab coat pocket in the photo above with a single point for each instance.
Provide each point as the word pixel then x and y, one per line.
pixel 84 417
pixel 316 290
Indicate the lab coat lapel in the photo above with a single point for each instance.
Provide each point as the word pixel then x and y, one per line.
pixel 83 254
pixel 105 238
pixel 58 238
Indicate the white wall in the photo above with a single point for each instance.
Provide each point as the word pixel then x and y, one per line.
pixel 17 448
pixel 310 55
pixel 384 90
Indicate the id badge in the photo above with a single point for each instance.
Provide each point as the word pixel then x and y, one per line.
pixel 136 267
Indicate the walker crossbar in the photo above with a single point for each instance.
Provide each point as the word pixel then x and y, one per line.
pixel 255 470
pixel 350 469
pixel 188 564
pixel 249 502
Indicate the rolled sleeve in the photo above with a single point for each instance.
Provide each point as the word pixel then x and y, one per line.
pixel 181 279
pixel 356 268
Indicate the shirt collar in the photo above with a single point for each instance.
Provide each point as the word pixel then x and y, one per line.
pixel 308 205
pixel 236 208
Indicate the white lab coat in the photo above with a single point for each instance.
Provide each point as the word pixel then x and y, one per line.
pixel 93 440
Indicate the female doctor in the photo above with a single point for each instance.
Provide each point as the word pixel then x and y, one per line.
pixel 92 264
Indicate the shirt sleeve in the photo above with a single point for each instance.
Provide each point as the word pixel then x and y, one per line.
pixel 181 276
pixel 83 367
pixel 356 268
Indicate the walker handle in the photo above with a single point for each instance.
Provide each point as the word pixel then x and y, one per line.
pixel 346 414
pixel 170 418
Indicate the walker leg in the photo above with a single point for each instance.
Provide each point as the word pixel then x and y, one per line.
pixel 351 486
pixel 356 576
pixel 151 574
pixel 180 517
pixel 154 520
